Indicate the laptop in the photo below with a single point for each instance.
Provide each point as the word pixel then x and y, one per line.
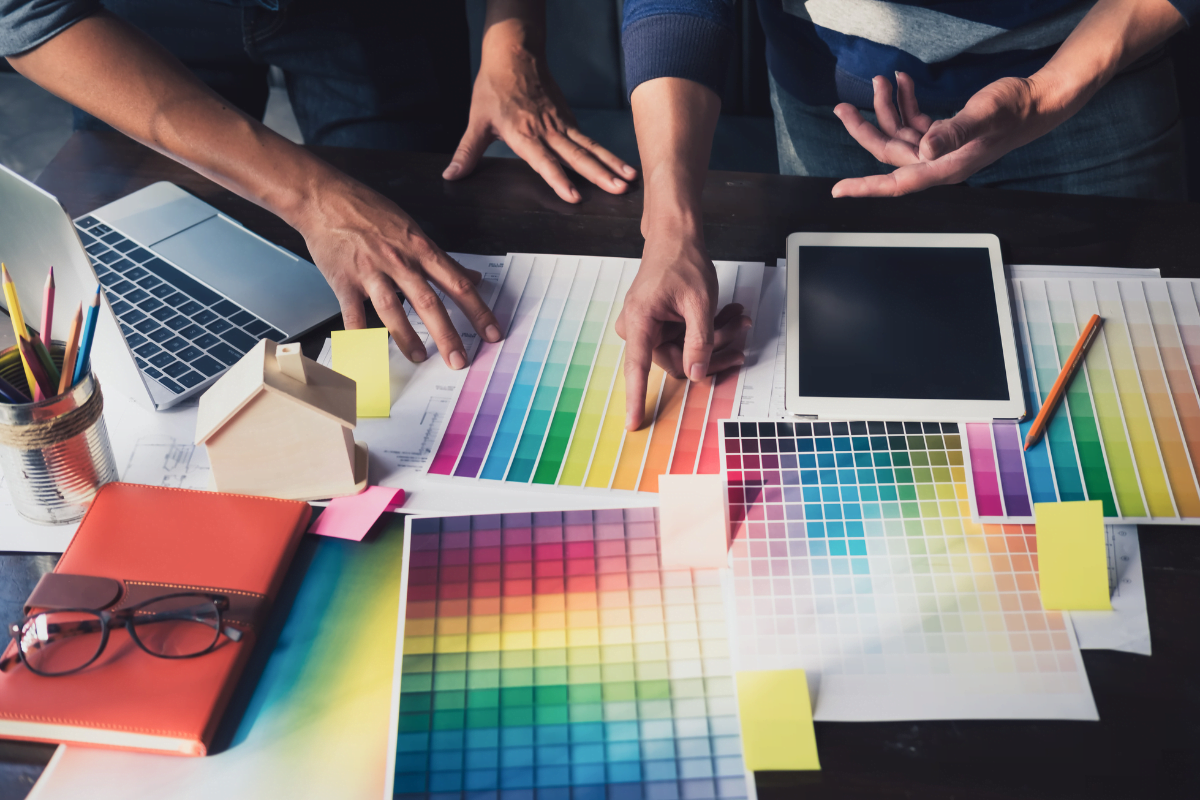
pixel 187 290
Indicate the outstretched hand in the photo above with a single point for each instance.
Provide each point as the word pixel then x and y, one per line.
pixel 996 120
pixel 516 100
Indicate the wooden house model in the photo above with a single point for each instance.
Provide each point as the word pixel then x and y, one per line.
pixel 278 424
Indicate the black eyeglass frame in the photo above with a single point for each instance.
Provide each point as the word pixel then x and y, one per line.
pixel 128 618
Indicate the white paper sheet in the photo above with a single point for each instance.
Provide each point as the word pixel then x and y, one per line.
pixel 1126 627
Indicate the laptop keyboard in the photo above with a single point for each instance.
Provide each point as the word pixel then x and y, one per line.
pixel 181 332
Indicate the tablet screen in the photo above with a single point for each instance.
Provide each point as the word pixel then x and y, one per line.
pixel 902 322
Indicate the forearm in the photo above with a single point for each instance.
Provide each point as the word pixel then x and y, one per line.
pixel 1113 35
pixel 674 119
pixel 113 71
pixel 514 26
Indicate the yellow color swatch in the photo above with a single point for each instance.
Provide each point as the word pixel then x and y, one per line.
pixel 776 718
pixel 363 356
pixel 1072 562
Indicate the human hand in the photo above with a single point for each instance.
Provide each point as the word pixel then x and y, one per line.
pixel 516 99
pixel 998 119
pixel 367 247
pixel 668 319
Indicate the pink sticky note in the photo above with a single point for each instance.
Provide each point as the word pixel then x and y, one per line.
pixel 351 517
pixel 693 524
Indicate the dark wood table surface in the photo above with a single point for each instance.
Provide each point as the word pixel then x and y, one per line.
pixel 1147 742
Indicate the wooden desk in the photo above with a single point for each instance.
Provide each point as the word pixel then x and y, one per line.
pixel 1147 743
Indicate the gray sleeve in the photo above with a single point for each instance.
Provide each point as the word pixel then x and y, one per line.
pixel 24 24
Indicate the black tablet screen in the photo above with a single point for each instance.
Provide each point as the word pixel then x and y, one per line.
pixel 904 322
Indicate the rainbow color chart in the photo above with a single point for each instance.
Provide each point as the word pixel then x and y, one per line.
pixel 550 656
pixel 546 406
pixel 855 558
pixel 1128 431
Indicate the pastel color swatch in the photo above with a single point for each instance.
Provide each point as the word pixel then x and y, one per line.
pixel 777 723
pixel 855 559
pixel 546 406
pixel 552 656
pixel 362 355
pixel 1127 434
pixel 1072 556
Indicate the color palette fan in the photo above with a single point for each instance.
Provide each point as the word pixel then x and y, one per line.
pixel 855 558
pixel 546 406
pixel 1128 431
pixel 551 656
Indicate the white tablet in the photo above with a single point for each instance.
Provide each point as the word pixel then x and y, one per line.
pixel 900 326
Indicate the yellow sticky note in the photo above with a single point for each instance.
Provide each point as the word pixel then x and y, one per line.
pixel 1072 562
pixel 776 717
pixel 363 356
pixel 693 525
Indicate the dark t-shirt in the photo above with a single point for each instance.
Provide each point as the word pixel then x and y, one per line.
pixel 25 24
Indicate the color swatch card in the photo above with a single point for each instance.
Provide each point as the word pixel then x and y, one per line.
pixel 546 406
pixel 1128 431
pixel 551 656
pixel 855 558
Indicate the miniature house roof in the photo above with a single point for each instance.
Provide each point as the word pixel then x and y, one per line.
pixel 324 391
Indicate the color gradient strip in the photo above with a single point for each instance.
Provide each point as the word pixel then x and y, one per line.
pixel 600 387
pixel 612 434
pixel 492 405
pixel 691 427
pixel 1126 483
pixel 1012 477
pixel 983 470
pixel 662 439
pixel 1159 399
pixel 1038 471
pixel 480 372
pixel 1175 364
pixel 633 450
pixel 562 426
pixel 551 653
pixel 1047 367
pixel 1115 336
pixel 525 382
pixel 549 385
pixel 1078 399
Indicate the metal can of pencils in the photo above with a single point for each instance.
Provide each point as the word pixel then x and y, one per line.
pixel 54 454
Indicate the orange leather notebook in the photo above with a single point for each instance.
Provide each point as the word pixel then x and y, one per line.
pixel 143 535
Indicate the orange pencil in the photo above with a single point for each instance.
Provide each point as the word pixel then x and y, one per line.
pixel 68 365
pixel 1064 380
pixel 43 387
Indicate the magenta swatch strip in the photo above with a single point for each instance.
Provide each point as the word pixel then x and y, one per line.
pixel 1012 472
pixel 983 469
pixel 497 392
pixel 474 383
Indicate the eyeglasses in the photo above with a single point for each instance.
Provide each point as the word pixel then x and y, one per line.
pixel 59 642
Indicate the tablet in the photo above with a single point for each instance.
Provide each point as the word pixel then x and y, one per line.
pixel 898 326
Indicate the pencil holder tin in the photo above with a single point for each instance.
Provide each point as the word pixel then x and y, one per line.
pixel 54 454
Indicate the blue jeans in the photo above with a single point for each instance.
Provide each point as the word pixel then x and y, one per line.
pixel 1126 142
pixel 381 74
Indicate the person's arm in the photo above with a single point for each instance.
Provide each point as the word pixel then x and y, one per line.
pixel 1008 113
pixel 675 55
pixel 361 241
pixel 515 99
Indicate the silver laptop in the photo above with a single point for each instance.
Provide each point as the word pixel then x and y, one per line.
pixel 188 290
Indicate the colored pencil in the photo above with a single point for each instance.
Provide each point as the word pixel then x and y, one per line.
pixel 11 394
pixel 85 339
pixel 72 351
pixel 48 309
pixel 43 355
pixel 18 321
pixel 45 388
pixel 1059 390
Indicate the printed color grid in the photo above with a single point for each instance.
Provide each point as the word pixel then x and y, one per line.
pixel 1128 432
pixel 547 404
pixel 550 656
pixel 855 558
